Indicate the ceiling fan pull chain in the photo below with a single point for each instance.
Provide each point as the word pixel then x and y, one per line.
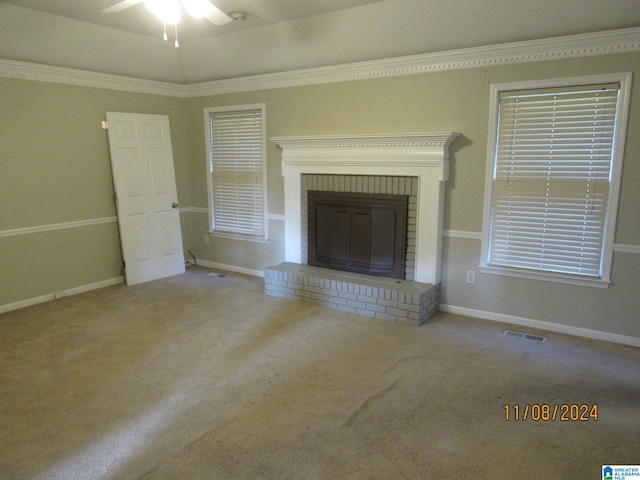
pixel 165 32
pixel 177 44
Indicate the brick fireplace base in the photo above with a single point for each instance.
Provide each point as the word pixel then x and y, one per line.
pixel 390 299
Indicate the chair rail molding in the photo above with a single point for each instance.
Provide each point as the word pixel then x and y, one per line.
pixel 56 226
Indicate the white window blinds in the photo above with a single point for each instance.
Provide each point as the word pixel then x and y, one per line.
pixel 237 172
pixel 551 179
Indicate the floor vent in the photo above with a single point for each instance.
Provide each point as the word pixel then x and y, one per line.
pixel 215 274
pixel 526 336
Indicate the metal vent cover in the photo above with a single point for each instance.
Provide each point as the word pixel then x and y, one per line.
pixel 526 336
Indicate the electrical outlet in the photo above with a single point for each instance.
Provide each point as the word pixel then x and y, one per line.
pixel 206 239
pixel 471 276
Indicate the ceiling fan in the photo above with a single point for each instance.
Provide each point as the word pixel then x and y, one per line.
pixel 169 11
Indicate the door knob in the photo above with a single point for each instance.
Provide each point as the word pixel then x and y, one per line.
pixel 174 205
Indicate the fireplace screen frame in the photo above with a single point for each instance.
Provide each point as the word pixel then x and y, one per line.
pixel 358 232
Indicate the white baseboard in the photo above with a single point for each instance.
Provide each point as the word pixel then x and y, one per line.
pixel 470 312
pixel 63 293
pixel 231 268
pixel 498 317
pixel 552 327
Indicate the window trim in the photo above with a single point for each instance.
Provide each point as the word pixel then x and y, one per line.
pixel 615 183
pixel 236 236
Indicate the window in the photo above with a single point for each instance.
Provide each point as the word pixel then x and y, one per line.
pixel 237 171
pixel 553 180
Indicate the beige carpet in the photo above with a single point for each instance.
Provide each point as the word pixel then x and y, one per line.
pixel 204 377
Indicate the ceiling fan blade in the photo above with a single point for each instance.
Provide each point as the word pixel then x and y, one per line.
pixel 118 7
pixel 217 16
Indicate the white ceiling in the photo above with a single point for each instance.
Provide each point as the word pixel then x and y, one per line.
pixel 284 35
pixel 138 19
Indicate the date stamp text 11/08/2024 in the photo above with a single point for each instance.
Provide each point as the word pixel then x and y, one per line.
pixel 565 412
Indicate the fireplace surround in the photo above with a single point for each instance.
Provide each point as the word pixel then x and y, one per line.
pixel 420 155
pixel 414 166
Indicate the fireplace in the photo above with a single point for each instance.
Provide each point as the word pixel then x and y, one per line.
pixel 421 157
pixel 364 184
pixel 353 169
pixel 358 232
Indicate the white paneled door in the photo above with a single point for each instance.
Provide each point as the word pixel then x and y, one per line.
pixel 147 201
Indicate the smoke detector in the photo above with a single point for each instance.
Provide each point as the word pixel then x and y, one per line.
pixel 238 15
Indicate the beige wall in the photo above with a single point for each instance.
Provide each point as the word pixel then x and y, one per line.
pixel 434 102
pixel 55 168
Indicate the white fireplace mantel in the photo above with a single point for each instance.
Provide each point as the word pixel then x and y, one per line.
pixel 421 155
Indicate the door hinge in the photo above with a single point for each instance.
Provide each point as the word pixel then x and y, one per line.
pixel 115 197
pixel 105 125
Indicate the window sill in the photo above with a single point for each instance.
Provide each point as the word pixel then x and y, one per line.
pixel 244 238
pixel 548 277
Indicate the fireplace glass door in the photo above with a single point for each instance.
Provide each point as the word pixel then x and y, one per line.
pixel 358 232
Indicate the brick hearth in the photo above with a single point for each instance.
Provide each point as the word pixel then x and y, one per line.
pixel 403 301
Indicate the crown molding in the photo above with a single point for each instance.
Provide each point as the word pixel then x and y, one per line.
pixel 82 78
pixel 556 48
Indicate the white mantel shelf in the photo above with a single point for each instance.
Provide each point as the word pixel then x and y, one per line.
pixel 421 155
pixel 392 140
